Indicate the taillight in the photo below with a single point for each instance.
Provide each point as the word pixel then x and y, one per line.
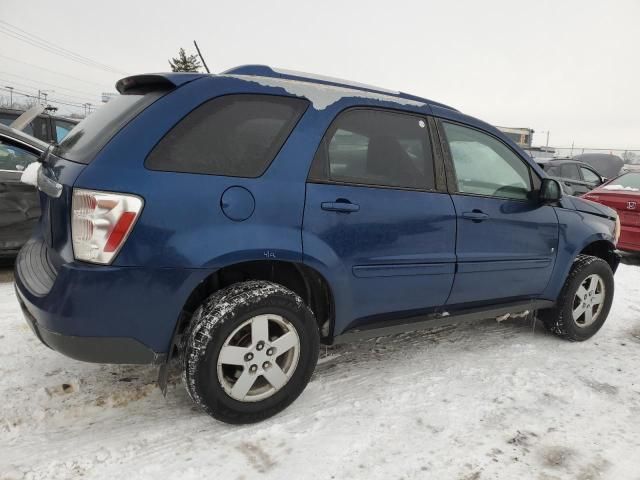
pixel 101 223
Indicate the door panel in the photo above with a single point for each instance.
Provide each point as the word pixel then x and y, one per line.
pixel 506 240
pixel 19 203
pixel 395 254
pixel 509 254
pixel 19 211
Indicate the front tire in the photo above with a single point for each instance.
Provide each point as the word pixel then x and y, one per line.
pixel 249 351
pixel 584 302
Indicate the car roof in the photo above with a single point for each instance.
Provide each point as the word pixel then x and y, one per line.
pixel 22 137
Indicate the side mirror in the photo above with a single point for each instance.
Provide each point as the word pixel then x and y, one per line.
pixel 550 191
pixel 603 180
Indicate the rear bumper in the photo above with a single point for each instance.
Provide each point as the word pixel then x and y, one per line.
pixel 102 314
pixel 93 349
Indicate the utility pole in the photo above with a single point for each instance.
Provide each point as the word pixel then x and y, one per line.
pixel 10 96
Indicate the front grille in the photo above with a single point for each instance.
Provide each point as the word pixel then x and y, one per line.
pixel 35 268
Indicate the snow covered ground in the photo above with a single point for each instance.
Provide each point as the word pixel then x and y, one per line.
pixel 492 400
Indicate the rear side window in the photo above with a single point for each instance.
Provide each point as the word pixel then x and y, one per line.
pixel 87 138
pixel 378 148
pixel 233 135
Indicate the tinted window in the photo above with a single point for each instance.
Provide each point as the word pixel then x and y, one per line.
pixel 87 138
pixel 569 170
pixel 14 158
pixel 234 135
pixel 553 171
pixel 375 147
pixel 485 166
pixel 589 175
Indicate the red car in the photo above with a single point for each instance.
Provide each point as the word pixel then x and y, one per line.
pixel 623 194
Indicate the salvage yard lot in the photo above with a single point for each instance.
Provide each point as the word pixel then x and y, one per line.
pixel 492 400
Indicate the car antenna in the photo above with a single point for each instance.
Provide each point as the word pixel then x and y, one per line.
pixel 201 58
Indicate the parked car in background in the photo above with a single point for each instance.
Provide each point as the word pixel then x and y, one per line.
pixel 19 203
pixel 239 220
pixel 45 127
pixel 608 165
pixel 576 177
pixel 623 194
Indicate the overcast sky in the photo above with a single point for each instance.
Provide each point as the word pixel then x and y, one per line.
pixel 571 67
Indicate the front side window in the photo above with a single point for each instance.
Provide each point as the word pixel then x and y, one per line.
pixel 590 176
pixel 378 148
pixel 485 166
pixel 233 135
pixel 14 158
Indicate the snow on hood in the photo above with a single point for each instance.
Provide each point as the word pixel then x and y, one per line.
pixel 321 96
pixel 620 187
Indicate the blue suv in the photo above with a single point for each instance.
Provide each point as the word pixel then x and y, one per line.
pixel 237 221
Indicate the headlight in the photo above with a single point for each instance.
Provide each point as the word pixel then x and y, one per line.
pixel 616 232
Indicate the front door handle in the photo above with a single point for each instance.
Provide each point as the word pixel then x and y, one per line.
pixel 475 216
pixel 340 205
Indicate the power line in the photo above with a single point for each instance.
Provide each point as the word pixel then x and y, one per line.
pixel 54 101
pixel 103 86
pixel 58 94
pixel 38 82
pixel 34 40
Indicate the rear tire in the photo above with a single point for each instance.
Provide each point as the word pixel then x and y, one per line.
pixel 249 351
pixel 584 302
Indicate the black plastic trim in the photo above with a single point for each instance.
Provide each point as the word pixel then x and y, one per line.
pixel 411 324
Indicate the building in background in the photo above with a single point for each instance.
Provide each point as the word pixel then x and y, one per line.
pixel 521 136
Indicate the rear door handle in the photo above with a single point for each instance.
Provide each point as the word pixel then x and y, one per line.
pixel 337 206
pixel 475 216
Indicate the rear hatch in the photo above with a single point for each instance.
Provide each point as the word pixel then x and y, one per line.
pixel 63 163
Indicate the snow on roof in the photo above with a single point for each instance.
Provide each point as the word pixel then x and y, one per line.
pixel 323 95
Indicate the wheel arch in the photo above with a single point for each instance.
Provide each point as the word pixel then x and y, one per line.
pixel 302 279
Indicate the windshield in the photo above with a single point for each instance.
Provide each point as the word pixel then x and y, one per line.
pixel 87 138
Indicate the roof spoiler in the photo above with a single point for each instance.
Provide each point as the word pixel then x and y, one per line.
pixel 154 81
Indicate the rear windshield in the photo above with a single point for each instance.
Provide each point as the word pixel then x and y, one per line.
pixel 232 135
pixel 87 138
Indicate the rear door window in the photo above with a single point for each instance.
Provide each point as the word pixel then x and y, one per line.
pixel 570 170
pixel 376 147
pixel 233 135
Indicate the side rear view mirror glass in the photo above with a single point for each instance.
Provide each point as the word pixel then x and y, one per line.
pixel 550 190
